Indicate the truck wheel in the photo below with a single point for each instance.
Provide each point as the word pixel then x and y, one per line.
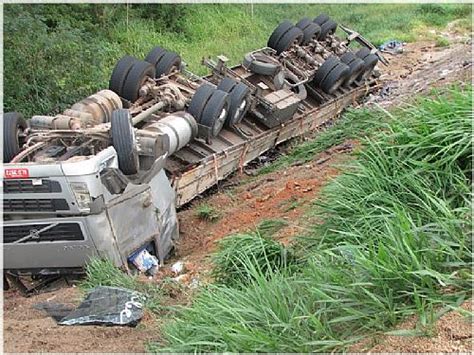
pixel 303 23
pixel 325 69
pixel 120 72
pixel 356 67
pixel 155 55
pixel 319 20
pixel 124 141
pixel 327 28
pixel 311 32
pixel 363 52
pixel 261 64
pixel 169 62
pixel 199 101
pixel 216 111
pixel 290 38
pixel 227 84
pixel 136 77
pixel 370 61
pixel 335 78
pixel 278 32
pixel 239 96
pixel 369 64
pixel 13 127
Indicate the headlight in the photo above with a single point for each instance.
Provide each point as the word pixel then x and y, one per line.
pixel 81 193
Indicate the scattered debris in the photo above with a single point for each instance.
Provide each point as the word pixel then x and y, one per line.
pixel 177 267
pixel 105 305
pixel 392 47
pixel 144 261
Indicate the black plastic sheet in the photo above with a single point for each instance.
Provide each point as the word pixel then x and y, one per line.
pixel 105 305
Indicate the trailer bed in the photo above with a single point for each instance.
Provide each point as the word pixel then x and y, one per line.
pixel 199 165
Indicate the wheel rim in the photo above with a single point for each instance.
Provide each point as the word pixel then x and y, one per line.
pixel 354 76
pixel 240 109
pixel 219 122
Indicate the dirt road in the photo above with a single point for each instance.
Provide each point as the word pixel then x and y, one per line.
pixel 283 194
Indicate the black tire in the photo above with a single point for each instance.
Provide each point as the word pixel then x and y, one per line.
pixel 370 62
pixel 328 65
pixel 120 72
pixel 166 64
pixel 261 64
pixel 327 28
pixel 293 36
pixel 311 32
pixel 155 55
pixel 124 142
pixel 356 67
pixel 278 32
pixel 319 20
pixel 303 23
pixel 213 115
pixel 239 104
pixel 363 52
pixel 335 78
pixel 13 125
pixel 135 79
pixel 199 101
pixel 227 84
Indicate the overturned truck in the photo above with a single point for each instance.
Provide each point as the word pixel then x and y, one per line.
pixel 104 178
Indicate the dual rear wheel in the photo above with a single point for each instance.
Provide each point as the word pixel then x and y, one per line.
pixel 130 74
pixel 224 105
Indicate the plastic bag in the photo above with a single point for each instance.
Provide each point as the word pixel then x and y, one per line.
pixel 107 306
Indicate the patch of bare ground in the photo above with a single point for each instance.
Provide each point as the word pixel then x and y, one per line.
pixel 451 333
pixel 26 329
pixel 278 195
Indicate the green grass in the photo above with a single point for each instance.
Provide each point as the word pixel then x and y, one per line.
pixel 207 213
pixel 103 273
pixel 395 241
pixel 68 51
pixel 240 257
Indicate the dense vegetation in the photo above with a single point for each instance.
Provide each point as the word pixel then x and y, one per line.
pixel 55 55
pixel 395 241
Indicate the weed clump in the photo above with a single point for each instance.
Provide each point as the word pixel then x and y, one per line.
pixel 240 257
pixel 207 213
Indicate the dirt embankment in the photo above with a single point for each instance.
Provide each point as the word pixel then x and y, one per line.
pixel 283 194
